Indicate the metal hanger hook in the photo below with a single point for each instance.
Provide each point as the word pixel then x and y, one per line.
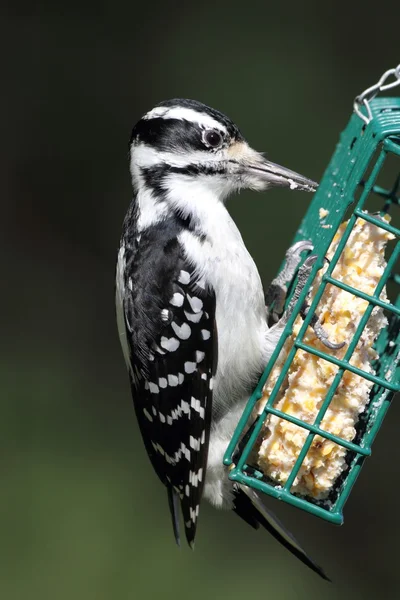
pixel 367 95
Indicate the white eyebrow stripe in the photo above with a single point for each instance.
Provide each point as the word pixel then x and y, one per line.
pixel 146 156
pixel 187 114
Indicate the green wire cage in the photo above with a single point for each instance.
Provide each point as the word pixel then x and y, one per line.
pixel 348 189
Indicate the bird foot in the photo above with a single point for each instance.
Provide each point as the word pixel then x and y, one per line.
pixel 315 323
pixel 277 291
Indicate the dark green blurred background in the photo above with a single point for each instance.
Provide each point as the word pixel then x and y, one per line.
pixel 82 514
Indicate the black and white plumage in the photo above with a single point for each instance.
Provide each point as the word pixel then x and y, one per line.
pixel 171 334
pixel 190 304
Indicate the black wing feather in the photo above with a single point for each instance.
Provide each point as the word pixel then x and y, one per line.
pixel 170 326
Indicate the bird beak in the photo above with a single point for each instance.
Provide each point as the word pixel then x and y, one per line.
pixel 259 173
pixel 272 174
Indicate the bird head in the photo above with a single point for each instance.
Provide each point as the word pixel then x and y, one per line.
pixel 185 148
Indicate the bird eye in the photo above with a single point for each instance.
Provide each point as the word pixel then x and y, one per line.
pixel 212 138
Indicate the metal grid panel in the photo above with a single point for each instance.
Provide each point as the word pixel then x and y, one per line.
pixel 362 148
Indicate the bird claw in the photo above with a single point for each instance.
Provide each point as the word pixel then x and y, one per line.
pixel 315 323
pixel 319 331
pixel 277 291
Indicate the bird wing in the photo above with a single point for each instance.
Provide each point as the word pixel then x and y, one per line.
pixel 167 316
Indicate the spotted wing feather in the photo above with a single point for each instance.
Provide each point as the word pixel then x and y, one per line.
pixel 171 340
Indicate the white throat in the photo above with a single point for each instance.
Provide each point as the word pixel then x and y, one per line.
pixel 200 197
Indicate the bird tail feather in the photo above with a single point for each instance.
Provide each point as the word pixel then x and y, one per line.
pixel 173 501
pixel 249 506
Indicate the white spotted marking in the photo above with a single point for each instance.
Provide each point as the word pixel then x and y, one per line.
pixel 172 380
pixel 183 450
pixel 183 332
pixel 177 299
pixel 130 284
pixel 170 344
pixel 147 415
pixel 204 376
pixel 186 452
pixel 187 490
pixel 153 387
pixel 162 417
pixel 146 385
pixel 185 406
pixel 181 377
pixel 203 436
pixel 165 314
pixel 195 303
pixel 211 384
pixel 190 367
pixel 205 334
pixel 184 277
pixel 175 414
pixel 196 405
pixel 194 513
pixel 195 478
pixel 194 318
pixel 153 408
pixel 194 443
pixel 162 382
pixel 199 356
pixel 158 448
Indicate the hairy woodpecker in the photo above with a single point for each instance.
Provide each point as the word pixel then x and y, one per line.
pixel 190 304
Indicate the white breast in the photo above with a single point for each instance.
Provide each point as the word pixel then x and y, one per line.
pixel 224 262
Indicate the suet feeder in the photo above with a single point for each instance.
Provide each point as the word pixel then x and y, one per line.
pixel 350 186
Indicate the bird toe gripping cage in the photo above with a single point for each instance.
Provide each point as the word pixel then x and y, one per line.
pixel 350 187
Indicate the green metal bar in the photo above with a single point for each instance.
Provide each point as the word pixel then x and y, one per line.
pixel 371 180
pixel 360 294
pixel 282 494
pixel 391 146
pixel 383 192
pixel 302 455
pixel 318 431
pixel 346 366
pixel 378 222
